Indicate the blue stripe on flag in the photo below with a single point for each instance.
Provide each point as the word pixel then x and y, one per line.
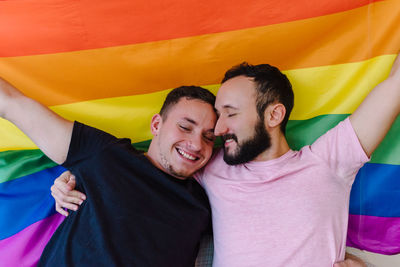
pixel 376 191
pixel 26 200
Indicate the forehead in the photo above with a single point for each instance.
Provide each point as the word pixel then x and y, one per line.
pixel 238 92
pixel 200 112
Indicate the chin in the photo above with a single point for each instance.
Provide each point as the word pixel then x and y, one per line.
pixel 187 170
pixel 183 174
pixel 230 153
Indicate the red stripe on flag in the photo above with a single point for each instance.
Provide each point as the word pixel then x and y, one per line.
pixel 40 27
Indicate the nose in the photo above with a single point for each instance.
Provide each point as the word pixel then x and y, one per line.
pixel 220 127
pixel 195 142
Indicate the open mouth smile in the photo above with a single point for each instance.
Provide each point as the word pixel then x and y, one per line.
pixel 229 141
pixel 229 138
pixel 186 155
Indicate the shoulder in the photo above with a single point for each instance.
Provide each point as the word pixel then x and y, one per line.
pixel 87 141
pixel 216 161
pixel 217 157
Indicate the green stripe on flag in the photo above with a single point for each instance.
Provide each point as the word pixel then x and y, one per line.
pixel 15 164
pixel 305 132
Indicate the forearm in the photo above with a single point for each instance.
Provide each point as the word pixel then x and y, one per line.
pixel 48 131
pixel 374 117
pixel 8 94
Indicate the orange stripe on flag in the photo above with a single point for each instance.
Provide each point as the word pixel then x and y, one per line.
pixel 144 68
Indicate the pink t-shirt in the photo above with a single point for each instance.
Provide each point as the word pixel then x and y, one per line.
pixel 289 211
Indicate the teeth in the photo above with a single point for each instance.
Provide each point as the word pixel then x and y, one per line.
pixel 228 140
pixel 186 155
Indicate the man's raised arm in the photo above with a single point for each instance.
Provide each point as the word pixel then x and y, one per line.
pixel 374 117
pixel 50 132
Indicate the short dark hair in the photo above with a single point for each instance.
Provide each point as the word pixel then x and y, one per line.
pixel 188 92
pixel 271 86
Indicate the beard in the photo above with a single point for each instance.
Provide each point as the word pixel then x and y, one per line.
pixel 169 169
pixel 250 148
pixel 167 166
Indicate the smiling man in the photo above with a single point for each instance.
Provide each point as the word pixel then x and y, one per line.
pixel 169 149
pixel 273 206
pixel 141 210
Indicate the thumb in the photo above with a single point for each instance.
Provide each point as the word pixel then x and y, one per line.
pixel 65 176
pixel 71 182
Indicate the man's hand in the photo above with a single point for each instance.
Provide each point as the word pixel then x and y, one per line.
pixel 351 261
pixel 64 194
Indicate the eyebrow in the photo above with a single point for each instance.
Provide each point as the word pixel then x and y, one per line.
pixel 190 120
pixel 229 106
pixel 226 107
pixel 195 123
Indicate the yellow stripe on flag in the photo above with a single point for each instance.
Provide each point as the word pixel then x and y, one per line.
pixel 336 89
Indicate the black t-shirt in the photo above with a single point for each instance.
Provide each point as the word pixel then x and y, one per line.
pixel 134 215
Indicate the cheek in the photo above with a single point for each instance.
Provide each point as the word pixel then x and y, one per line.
pixel 208 151
pixel 245 127
pixel 175 136
pixel 237 124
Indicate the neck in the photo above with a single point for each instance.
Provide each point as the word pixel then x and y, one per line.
pixel 151 155
pixel 279 147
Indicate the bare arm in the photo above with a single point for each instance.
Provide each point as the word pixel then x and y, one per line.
pixel 51 133
pixel 374 117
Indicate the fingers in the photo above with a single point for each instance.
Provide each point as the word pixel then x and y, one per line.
pixel 60 210
pixel 65 200
pixel 64 186
pixel 71 182
pixel 65 182
pixel 350 262
pixel 64 194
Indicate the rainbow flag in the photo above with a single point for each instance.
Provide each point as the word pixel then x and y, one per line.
pixel 110 64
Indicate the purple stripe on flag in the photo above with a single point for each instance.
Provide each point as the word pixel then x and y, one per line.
pixel 375 234
pixel 25 247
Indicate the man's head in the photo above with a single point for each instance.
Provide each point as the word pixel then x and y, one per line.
pixel 183 131
pixel 252 101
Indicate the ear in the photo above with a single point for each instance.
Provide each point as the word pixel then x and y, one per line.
pixel 274 115
pixel 155 126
